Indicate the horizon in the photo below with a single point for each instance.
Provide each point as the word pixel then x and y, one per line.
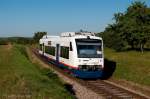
pixel 22 18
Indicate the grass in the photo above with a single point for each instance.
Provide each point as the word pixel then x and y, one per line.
pixel 131 65
pixel 19 78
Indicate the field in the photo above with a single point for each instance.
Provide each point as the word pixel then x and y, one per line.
pixel 131 65
pixel 22 79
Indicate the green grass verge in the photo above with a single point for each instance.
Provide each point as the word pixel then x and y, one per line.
pixel 19 78
pixel 131 65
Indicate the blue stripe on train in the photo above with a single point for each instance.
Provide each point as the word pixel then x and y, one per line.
pixel 76 72
pixel 87 74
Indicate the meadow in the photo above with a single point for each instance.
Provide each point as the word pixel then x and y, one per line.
pixel 22 79
pixel 131 65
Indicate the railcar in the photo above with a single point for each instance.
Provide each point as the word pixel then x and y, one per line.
pixel 77 52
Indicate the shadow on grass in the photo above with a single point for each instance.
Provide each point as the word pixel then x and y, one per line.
pixel 70 89
pixel 109 68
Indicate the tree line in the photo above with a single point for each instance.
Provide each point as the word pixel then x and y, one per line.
pixel 23 40
pixel 130 29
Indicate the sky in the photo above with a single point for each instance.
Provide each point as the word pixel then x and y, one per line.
pixel 25 17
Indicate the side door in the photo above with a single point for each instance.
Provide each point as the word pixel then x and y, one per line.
pixel 43 49
pixel 57 52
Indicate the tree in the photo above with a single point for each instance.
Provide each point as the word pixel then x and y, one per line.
pixel 131 28
pixel 136 25
pixel 38 35
pixel 112 38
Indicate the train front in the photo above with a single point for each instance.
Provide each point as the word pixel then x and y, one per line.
pixel 90 58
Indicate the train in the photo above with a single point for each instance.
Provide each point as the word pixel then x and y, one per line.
pixel 80 53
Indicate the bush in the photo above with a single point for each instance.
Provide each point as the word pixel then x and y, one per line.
pixel 3 42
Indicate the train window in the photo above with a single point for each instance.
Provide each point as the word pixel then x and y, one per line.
pixel 49 42
pixel 64 52
pixel 40 47
pixel 46 49
pixel 89 48
pixel 50 50
pixel 70 46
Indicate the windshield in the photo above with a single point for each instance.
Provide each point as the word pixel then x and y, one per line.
pixel 89 48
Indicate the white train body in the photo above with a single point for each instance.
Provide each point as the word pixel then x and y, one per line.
pixel 80 53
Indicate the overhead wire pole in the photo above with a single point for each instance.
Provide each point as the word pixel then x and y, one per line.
pixel 84 28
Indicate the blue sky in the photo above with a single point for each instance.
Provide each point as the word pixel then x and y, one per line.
pixel 24 17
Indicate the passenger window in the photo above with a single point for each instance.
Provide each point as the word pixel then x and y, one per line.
pixel 64 52
pixel 50 50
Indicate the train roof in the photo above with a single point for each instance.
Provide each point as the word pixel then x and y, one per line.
pixel 48 36
pixel 71 35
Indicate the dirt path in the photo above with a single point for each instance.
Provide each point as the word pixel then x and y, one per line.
pixel 34 59
pixel 7 47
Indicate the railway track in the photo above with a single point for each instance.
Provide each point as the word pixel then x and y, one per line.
pixel 101 87
pixel 111 91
